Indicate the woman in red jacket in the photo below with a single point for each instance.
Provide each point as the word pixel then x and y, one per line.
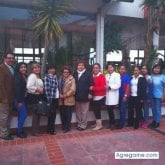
pixel 98 94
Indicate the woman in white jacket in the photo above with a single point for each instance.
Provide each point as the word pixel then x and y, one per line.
pixel 113 84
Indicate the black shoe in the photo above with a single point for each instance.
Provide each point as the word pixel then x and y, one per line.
pixel 119 127
pixel 129 125
pixel 67 130
pixel 151 125
pixel 112 127
pixel 8 137
pixel 22 135
pixel 52 132
pixel 136 127
pixel 36 134
pixel 81 129
pixel 156 125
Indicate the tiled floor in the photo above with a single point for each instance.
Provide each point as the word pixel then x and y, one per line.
pixel 84 148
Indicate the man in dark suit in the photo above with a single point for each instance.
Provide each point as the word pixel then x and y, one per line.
pixel 6 95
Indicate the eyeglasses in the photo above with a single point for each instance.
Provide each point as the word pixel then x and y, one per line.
pixel 10 58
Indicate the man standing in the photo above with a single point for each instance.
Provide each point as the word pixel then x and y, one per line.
pixel 6 95
pixel 84 81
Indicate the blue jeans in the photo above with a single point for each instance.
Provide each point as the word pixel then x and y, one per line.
pixel 122 109
pixel 22 114
pixel 146 107
pixel 156 109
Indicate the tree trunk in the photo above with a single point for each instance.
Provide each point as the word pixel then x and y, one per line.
pixel 45 56
pixel 149 36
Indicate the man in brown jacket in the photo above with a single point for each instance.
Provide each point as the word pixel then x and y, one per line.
pixel 6 95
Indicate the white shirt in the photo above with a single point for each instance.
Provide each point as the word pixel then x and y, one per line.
pixel 33 82
pixel 112 95
pixel 134 85
pixel 80 73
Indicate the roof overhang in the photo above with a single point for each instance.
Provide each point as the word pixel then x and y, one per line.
pixel 77 6
pixel 89 7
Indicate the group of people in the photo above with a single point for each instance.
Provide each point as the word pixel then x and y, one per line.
pixel 137 93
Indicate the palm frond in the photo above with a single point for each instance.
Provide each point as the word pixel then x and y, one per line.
pixel 47 16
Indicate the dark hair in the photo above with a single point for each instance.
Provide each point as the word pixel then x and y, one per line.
pixel 111 64
pixel 96 64
pixel 50 67
pixel 122 65
pixel 67 68
pixel 137 66
pixel 146 67
pixel 81 62
pixel 157 65
pixel 9 52
pixel 18 66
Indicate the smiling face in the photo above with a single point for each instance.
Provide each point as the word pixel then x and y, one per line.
pixel 23 69
pixel 122 70
pixel 36 69
pixel 96 69
pixel 52 71
pixel 80 67
pixel 144 70
pixel 66 73
pixel 156 70
pixel 10 59
pixel 110 69
pixel 136 71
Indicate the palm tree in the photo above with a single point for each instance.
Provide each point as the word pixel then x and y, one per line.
pixel 155 10
pixel 46 23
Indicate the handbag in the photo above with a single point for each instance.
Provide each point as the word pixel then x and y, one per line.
pixel 43 108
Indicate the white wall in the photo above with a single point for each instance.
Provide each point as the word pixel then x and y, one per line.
pixel 58 120
pixel 127 9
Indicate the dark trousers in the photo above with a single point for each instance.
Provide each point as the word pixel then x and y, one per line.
pixel 66 116
pixel 35 119
pixel 97 107
pixel 52 117
pixel 111 114
pixel 134 104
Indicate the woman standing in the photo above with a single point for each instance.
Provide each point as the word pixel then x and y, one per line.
pixel 124 94
pixel 84 81
pixel 158 81
pixel 52 95
pixel 113 84
pixel 67 98
pixel 35 94
pixel 138 95
pixel 147 101
pixel 20 92
pixel 98 94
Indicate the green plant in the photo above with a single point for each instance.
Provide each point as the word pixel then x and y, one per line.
pixel 60 57
pixel 46 23
pixel 112 37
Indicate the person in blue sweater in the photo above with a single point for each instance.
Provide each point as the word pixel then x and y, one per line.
pixel 158 82
pixel 20 92
pixel 124 94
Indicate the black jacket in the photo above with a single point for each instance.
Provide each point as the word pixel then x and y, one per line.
pixel 142 88
pixel 82 85
pixel 19 87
